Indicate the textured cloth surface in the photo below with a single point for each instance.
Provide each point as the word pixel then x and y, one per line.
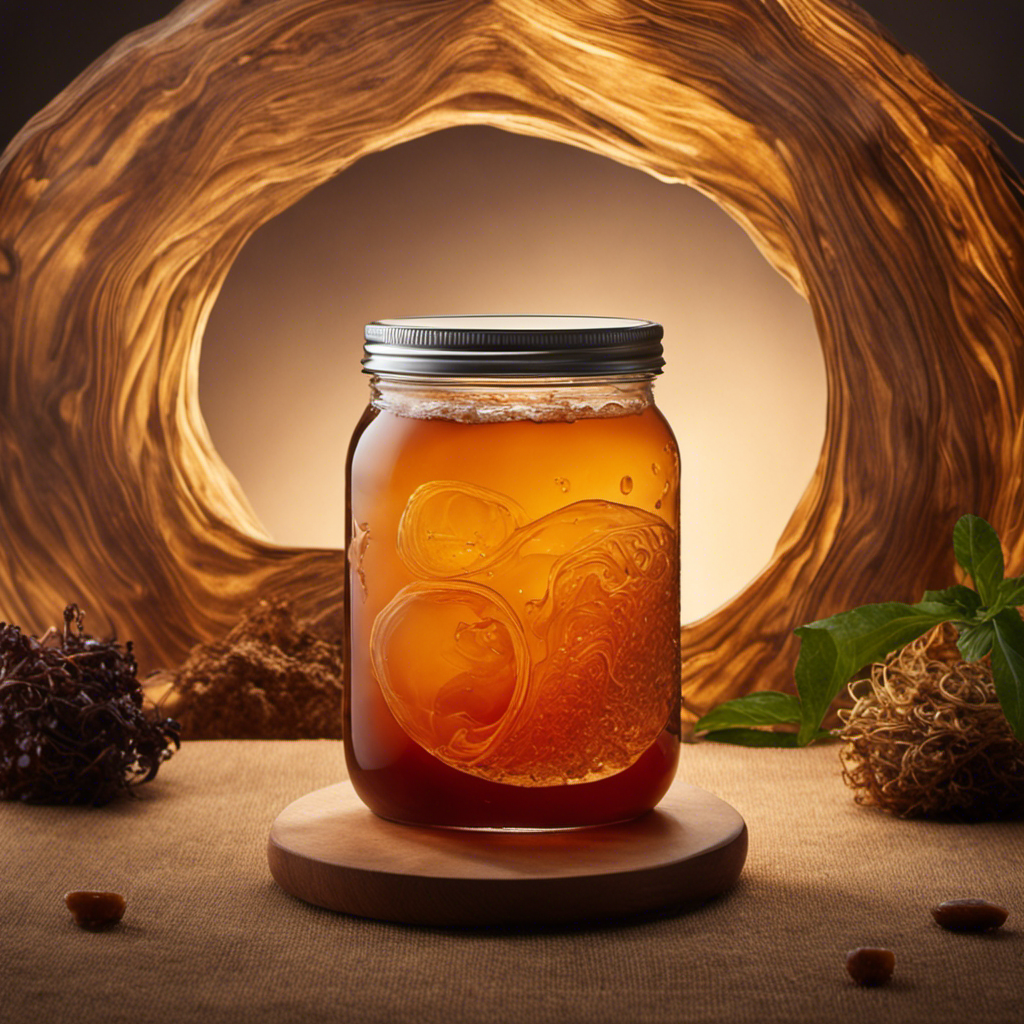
pixel 209 937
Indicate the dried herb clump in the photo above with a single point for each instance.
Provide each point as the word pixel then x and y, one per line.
pixel 927 736
pixel 269 678
pixel 72 725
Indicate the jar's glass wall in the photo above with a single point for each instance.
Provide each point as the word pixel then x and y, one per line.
pixel 513 602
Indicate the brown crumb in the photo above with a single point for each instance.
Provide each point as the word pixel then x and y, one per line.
pixel 270 678
pixel 970 914
pixel 95 910
pixel 870 966
pixel 927 737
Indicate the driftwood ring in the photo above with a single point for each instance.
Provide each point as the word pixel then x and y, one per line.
pixel 860 177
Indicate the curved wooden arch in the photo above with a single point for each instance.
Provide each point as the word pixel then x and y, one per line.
pixel 860 177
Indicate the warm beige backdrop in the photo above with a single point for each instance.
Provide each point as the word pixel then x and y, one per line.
pixel 478 220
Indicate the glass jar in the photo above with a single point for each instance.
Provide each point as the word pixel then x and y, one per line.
pixel 513 574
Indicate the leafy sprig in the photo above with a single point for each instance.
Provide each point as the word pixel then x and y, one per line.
pixel 832 650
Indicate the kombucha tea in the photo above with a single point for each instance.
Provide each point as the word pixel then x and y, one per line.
pixel 513 596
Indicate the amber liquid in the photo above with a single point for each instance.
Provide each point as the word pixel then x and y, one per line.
pixel 513 627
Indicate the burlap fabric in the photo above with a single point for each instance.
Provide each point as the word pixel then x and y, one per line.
pixel 208 936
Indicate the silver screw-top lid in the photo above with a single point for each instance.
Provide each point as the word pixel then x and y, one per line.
pixel 513 346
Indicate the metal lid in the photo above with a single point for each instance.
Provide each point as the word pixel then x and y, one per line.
pixel 513 346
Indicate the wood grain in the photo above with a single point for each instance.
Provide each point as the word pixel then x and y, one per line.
pixel 860 177
pixel 328 849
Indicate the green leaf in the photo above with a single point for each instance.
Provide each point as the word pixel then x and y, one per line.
pixel 761 738
pixel 766 707
pixel 975 640
pixel 831 650
pixel 1008 667
pixel 1011 592
pixel 978 551
pixel 958 597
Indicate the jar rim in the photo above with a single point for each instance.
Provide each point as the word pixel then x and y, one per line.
pixel 513 345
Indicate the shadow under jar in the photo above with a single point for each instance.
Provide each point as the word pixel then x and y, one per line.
pixel 513 574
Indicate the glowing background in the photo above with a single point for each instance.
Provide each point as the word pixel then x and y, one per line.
pixel 477 220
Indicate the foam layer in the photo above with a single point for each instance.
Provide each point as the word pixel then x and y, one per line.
pixel 496 405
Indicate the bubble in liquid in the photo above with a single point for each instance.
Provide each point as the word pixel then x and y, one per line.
pixel 555 662
pixel 655 468
pixel 626 484
pixel 449 527
pixel 563 484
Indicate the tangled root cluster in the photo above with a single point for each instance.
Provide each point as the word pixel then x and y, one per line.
pixel 926 736
pixel 73 725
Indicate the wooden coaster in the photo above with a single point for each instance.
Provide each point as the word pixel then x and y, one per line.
pixel 328 849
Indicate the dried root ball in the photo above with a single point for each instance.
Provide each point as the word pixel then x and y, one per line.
pixel 926 736
pixel 269 678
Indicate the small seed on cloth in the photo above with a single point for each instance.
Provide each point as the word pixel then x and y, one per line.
pixel 870 966
pixel 95 910
pixel 969 915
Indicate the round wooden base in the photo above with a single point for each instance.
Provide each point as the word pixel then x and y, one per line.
pixel 328 849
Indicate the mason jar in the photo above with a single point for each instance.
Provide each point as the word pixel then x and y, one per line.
pixel 513 574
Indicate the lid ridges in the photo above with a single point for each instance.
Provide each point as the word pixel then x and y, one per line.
pixel 529 345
